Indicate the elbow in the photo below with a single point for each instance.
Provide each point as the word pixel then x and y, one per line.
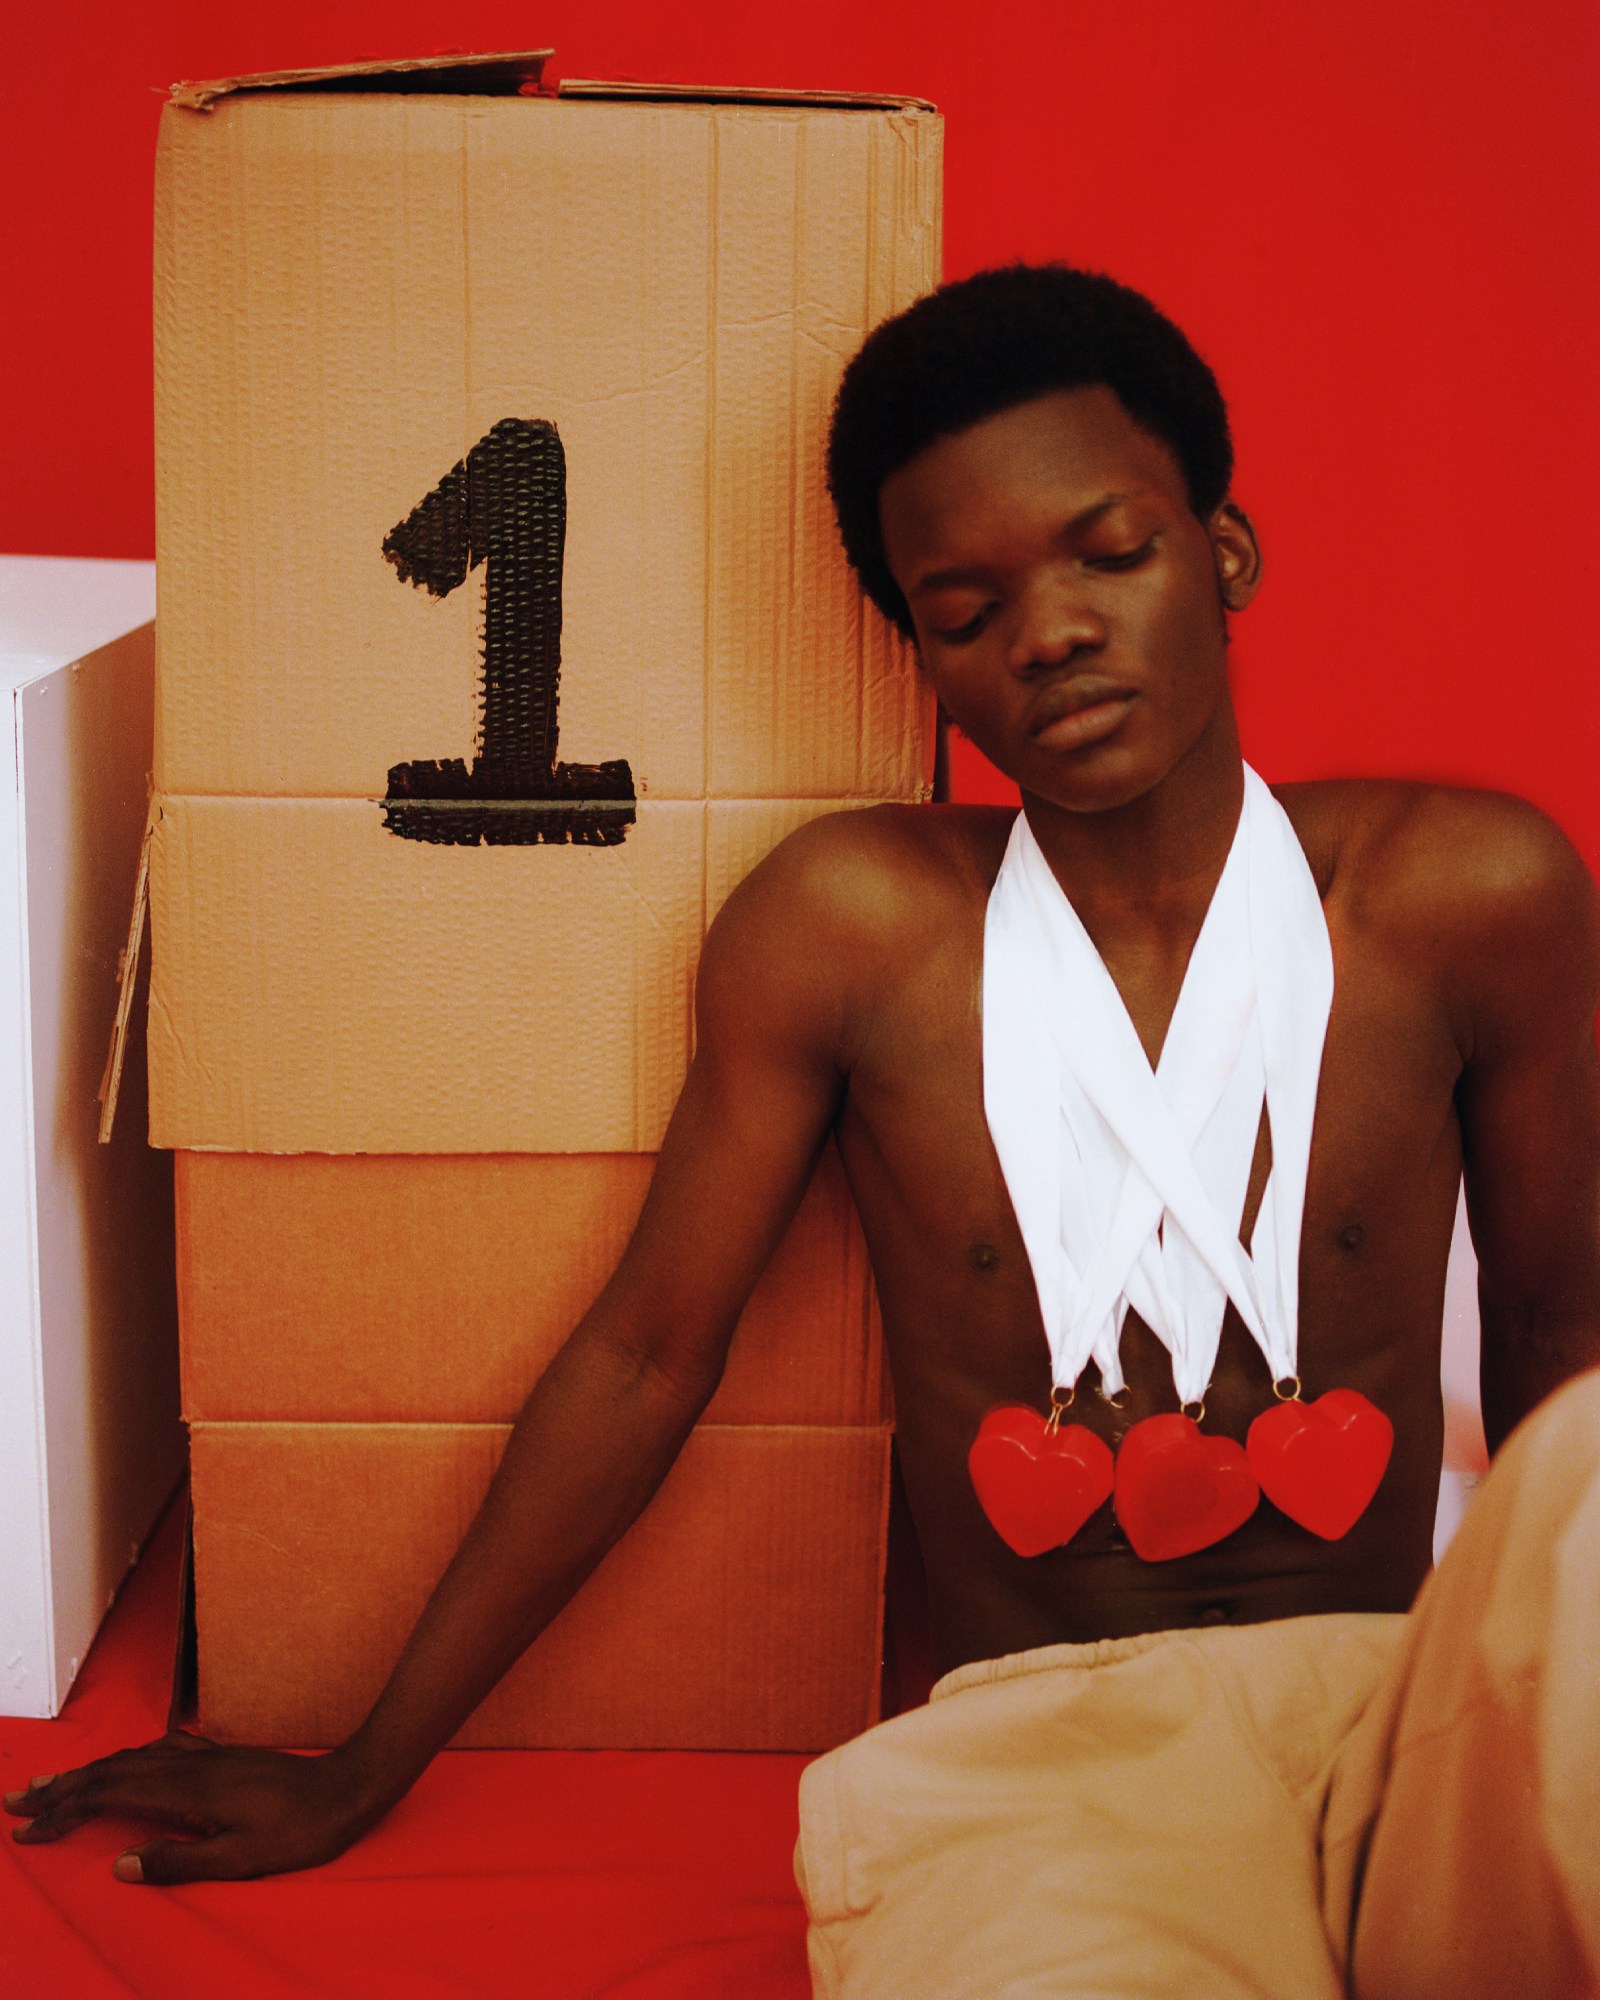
pixel 668 1370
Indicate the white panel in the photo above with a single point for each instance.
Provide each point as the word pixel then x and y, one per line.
pixel 57 609
pixel 27 1685
pixel 89 1440
pixel 102 1214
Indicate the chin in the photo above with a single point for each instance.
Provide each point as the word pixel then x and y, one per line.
pixel 1097 780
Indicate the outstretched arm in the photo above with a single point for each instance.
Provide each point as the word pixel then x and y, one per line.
pixel 591 1445
pixel 1529 1102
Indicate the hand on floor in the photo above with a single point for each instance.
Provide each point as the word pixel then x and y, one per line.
pixel 241 1812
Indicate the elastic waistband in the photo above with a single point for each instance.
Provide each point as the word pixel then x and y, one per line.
pixel 1310 1629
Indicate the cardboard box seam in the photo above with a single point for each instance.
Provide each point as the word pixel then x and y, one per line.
pixel 872 796
pixel 367 1427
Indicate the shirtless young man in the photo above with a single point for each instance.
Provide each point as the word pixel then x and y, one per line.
pixel 1032 472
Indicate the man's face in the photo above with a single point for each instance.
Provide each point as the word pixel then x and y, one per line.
pixel 1069 607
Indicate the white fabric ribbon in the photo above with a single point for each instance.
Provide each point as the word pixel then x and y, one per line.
pixel 1129 1185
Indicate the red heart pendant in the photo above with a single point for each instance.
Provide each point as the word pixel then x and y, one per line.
pixel 1320 1463
pixel 1038 1486
pixel 1178 1491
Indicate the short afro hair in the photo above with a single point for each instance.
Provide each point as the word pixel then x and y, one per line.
pixel 989 342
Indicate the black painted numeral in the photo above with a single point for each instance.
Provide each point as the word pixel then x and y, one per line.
pixel 505 506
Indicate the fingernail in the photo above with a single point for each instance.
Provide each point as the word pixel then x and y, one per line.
pixel 38 1784
pixel 128 1868
pixel 15 1798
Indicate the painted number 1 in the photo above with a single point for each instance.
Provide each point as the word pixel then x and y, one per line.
pixel 505 506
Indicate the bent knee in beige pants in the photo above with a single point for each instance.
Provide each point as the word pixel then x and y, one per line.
pixel 1462 1838
pixel 1398 1806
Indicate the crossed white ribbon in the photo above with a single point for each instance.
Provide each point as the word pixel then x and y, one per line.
pixel 1129 1185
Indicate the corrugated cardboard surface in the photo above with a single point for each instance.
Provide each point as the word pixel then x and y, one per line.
pixel 742 1611
pixel 321 986
pixel 376 315
pixel 352 291
pixel 401 1289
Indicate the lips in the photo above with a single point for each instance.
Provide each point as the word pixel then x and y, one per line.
pixel 1078 711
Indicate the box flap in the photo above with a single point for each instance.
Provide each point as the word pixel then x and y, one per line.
pixel 717 93
pixel 454 75
pixel 127 983
pixel 520 74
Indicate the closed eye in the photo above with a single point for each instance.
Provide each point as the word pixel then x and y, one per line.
pixel 959 635
pixel 1127 559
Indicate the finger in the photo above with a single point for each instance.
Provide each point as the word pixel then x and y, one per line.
pixel 36 1797
pixel 28 1800
pixel 134 1784
pixel 52 1823
pixel 165 1862
pixel 43 1793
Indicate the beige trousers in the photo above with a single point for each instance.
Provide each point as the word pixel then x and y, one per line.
pixel 1398 1807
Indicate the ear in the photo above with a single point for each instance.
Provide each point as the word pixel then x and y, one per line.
pixel 1237 554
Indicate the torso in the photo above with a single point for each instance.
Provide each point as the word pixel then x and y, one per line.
pixel 960 1312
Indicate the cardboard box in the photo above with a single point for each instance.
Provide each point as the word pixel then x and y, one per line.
pixel 504 628
pixel 90 1445
pixel 471 1272
pixel 742 1611
pixel 429 877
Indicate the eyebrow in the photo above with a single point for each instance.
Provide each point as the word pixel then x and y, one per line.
pixel 946 579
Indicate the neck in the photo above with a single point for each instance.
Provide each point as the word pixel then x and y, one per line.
pixel 1153 862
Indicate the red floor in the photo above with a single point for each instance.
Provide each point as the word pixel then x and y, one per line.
pixel 547 1875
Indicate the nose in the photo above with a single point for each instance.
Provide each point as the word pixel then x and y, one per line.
pixel 1055 621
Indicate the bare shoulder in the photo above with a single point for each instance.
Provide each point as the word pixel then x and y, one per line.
pixel 876 875
pixel 847 902
pixel 1438 854
pixel 1481 887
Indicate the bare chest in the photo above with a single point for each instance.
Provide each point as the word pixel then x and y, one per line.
pixel 960 1308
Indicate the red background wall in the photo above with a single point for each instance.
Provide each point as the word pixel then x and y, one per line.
pixel 1378 221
